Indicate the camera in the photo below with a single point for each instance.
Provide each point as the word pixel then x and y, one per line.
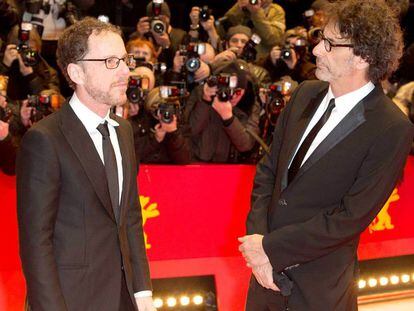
pixel 156 24
pixel 137 89
pixel 5 113
pixel 226 84
pixel 205 13
pixel 286 53
pixel 141 62
pixel 249 50
pixel 192 53
pixel 30 57
pixel 42 105
pixel 275 101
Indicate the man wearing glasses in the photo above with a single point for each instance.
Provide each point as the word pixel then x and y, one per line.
pixel 80 225
pixel 338 151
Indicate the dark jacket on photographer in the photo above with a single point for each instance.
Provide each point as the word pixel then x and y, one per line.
pixel 268 23
pixel 215 140
pixel 174 149
pixel 43 77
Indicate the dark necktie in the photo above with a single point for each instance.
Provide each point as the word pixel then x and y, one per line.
pixel 303 149
pixel 111 168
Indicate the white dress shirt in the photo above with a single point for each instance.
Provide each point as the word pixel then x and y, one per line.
pixel 343 105
pixel 90 121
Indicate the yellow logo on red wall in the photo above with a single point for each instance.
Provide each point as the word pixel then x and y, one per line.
pixel 383 219
pixel 149 210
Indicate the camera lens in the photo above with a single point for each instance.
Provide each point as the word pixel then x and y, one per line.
pixel 158 26
pixel 192 64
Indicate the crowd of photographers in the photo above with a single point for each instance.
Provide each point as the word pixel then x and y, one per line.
pixel 212 93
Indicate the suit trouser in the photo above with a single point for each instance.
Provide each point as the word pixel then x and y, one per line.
pixel 125 303
pixel 262 299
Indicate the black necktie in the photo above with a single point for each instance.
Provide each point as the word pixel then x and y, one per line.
pixel 111 168
pixel 303 149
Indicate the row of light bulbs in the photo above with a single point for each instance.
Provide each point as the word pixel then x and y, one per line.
pixel 172 302
pixel 395 279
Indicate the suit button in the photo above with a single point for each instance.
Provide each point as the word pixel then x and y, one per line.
pixel 283 202
pixel 122 268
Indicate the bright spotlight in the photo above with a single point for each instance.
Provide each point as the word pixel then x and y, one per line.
pixel 372 282
pixel 158 303
pixel 185 300
pixel 171 302
pixel 198 299
pixel 405 278
pixel 395 280
pixel 383 281
pixel 362 284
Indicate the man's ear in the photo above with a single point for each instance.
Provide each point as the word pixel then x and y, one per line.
pixel 360 63
pixel 76 73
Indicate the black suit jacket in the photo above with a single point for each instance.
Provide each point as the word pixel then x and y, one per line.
pixel 72 250
pixel 311 226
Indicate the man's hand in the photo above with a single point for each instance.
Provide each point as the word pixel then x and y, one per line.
pixel 208 25
pixel 202 73
pixel 224 109
pixel 3 101
pixel 133 109
pixel 10 54
pixel 25 113
pixel 275 54
pixel 178 62
pixel 227 55
pixel 252 250
pixel 143 25
pixel 24 70
pixel 162 128
pixel 242 3
pixel 4 130
pixel 145 304
pixel 264 276
pixel 253 8
pixel 162 39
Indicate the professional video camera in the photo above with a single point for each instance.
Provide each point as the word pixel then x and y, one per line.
pixel 42 105
pixel 137 89
pixel 249 50
pixel 192 53
pixel 226 85
pixel 156 24
pixel 205 13
pixel 30 57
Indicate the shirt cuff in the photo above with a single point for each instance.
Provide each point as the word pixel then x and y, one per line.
pixel 144 293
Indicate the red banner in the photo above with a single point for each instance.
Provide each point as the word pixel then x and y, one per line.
pixel 192 217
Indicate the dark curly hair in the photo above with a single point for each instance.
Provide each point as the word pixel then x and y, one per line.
pixel 73 43
pixel 374 30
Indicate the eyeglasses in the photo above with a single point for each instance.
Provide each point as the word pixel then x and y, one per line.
pixel 113 61
pixel 329 44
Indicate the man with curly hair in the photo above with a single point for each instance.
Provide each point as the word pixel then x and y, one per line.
pixel 338 151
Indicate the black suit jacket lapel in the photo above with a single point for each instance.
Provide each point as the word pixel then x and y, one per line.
pixel 82 145
pixel 126 167
pixel 299 129
pixel 352 120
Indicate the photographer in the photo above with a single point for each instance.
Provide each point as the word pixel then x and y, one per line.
pixel 28 72
pixel 237 38
pixel 155 141
pixel 202 16
pixel 267 19
pixel 188 65
pixel 292 59
pixel 156 27
pixel 221 115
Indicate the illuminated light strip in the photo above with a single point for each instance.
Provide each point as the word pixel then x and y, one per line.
pixel 383 281
pixel 172 301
